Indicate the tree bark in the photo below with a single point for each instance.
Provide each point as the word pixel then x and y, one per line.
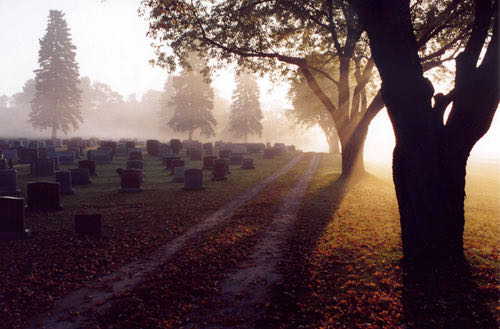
pixel 430 157
pixel 352 150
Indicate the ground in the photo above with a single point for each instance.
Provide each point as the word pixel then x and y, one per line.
pixel 337 264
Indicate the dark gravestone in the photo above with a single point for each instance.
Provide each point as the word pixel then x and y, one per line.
pixel 176 145
pixel 42 153
pixel 130 144
pixel 135 155
pixel 224 154
pixel 131 180
pixel 165 148
pixel 179 174
pixel 235 159
pixel 108 145
pixel 135 164
pixel 88 224
pixel 75 149
pixel 208 161
pixel 195 154
pixel 8 183
pixel 56 161
pixel 193 179
pixel 220 170
pixel 165 156
pixel 88 164
pixel 121 150
pixel 42 167
pixel 170 160
pixel 4 165
pixel 12 219
pixel 80 176
pixel 43 196
pixel 50 142
pixel 10 154
pixel 247 163
pixel 208 148
pixel 63 177
pixel 176 163
pixel 65 157
pixel 102 156
pixel 27 154
pixel 268 153
pixel 153 147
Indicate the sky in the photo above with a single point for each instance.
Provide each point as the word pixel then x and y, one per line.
pixel 112 48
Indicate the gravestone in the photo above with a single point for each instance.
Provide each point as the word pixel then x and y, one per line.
pixel 76 149
pixel 193 179
pixel 290 148
pixel 235 158
pixel 10 154
pixel 165 156
pixel 42 167
pixel 169 161
pixel 102 156
pixel 12 219
pixel 135 155
pixel 130 144
pixel 165 148
pixel 121 150
pixel 195 154
pixel 80 176
pixel 50 142
pixel 8 183
pixel 131 180
pixel 88 164
pixel 268 145
pixel 153 147
pixel 220 170
pixel 110 145
pixel 176 163
pixel 268 153
pixel 176 145
pixel 208 161
pixel 65 157
pixel 3 164
pixel 135 164
pixel 27 154
pixel 56 161
pixel 208 148
pixel 88 224
pixel 178 174
pixel 238 148
pixel 224 154
pixel 247 163
pixel 42 153
pixel 43 196
pixel 63 177
pixel 279 148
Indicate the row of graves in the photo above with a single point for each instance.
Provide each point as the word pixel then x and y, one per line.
pixel 46 158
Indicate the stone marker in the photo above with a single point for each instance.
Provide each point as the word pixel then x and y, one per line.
pixel 121 150
pixel 27 154
pixel 8 183
pixel 10 154
pixel 235 158
pixel 88 164
pixel 131 180
pixel 135 164
pixel 42 167
pixel 80 176
pixel 176 163
pixel 176 145
pixel 88 224
pixel 195 154
pixel 247 163
pixel 56 161
pixel 208 148
pixel 224 154
pixel 135 155
pixel 110 146
pixel 193 179
pixel 4 164
pixel 220 170
pixel 63 177
pixel 178 174
pixel 102 156
pixel 43 196
pixel 164 158
pixel 65 157
pixel 12 219
pixel 268 153
pixel 153 147
pixel 208 161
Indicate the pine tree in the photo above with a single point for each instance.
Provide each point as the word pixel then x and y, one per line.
pixel 56 104
pixel 193 102
pixel 245 108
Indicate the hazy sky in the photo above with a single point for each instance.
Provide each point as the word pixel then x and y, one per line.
pixel 112 47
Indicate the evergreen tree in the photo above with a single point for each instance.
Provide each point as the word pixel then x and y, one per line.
pixel 245 108
pixel 193 101
pixel 57 99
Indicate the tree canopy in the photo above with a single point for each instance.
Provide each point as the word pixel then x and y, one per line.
pixel 56 104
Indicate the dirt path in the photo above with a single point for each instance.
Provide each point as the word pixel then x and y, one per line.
pixel 72 311
pixel 245 291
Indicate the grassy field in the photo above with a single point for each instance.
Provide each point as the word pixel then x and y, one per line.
pixel 37 271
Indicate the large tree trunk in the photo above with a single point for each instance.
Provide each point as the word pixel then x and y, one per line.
pixel 430 157
pixel 190 135
pixel 352 150
pixel 54 132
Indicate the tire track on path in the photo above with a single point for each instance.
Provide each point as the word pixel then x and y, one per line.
pixel 245 290
pixel 72 312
